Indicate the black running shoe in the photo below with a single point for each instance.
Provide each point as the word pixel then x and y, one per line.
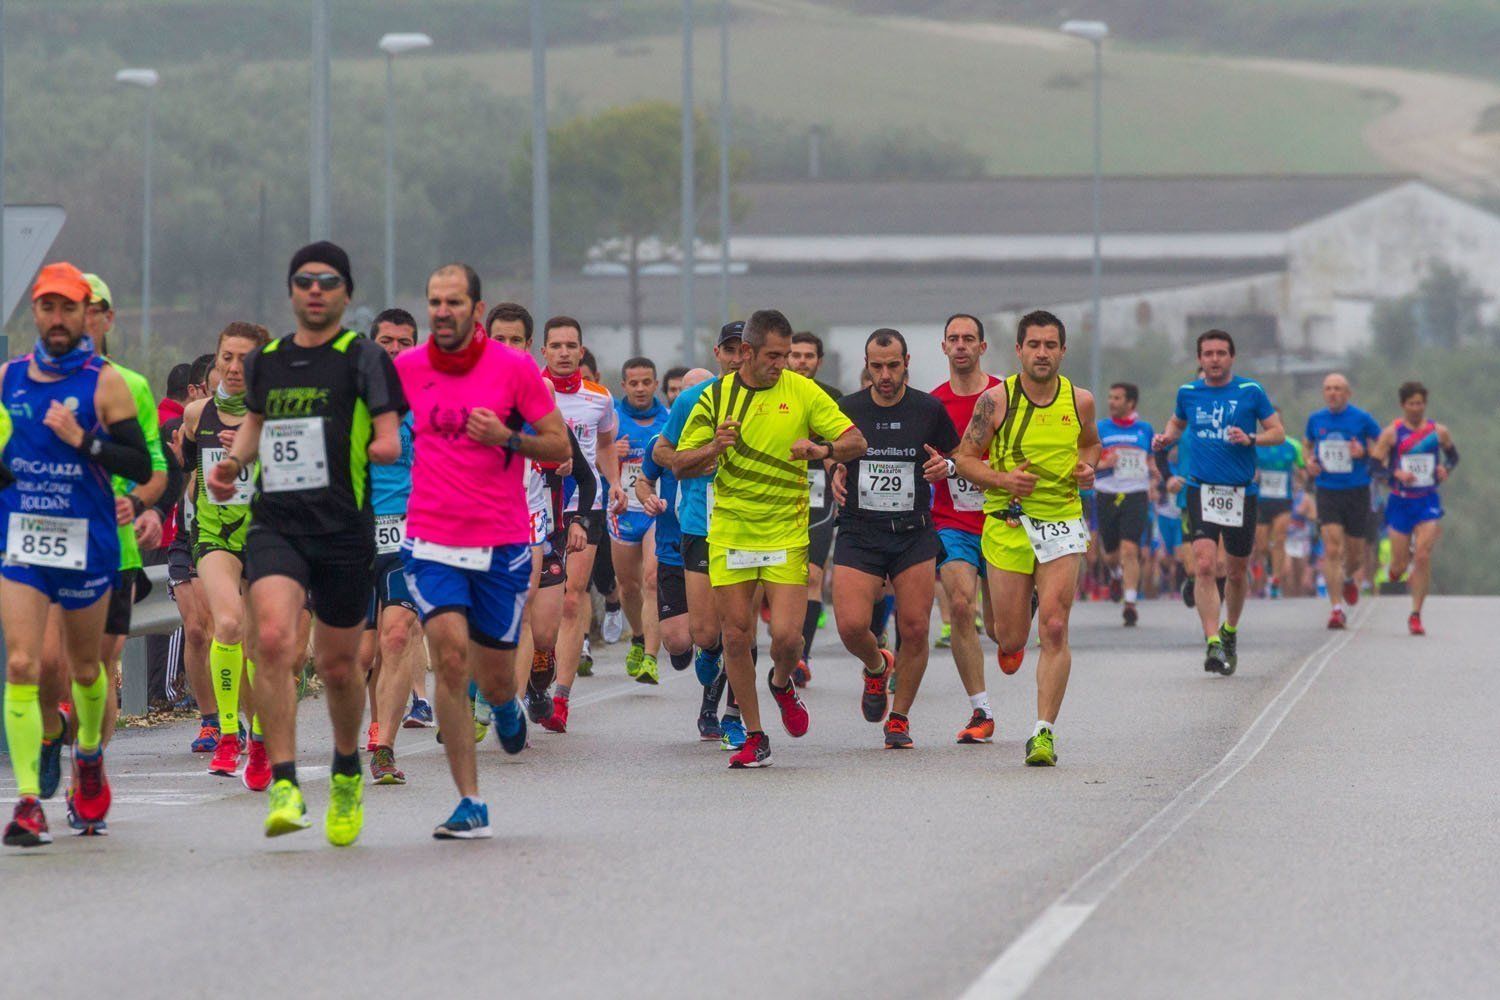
pixel 1130 616
pixel 874 702
pixel 1188 597
pixel 1231 643
pixel 1215 662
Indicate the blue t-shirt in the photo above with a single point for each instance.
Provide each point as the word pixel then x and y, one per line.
pixel 1209 412
pixel 1349 424
pixel 390 485
pixel 692 510
pixel 1137 434
pixel 668 530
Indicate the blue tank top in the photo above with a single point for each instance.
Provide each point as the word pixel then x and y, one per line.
pixel 52 479
pixel 390 485
pixel 1422 446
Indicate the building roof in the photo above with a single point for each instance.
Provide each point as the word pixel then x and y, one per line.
pixel 1050 205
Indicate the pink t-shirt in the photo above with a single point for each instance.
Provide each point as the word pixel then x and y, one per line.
pixel 464 493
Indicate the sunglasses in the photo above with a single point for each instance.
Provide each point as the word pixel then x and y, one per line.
pixel 326 282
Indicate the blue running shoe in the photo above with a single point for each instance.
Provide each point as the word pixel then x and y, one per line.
pixel 709 730
pixel 470 821
pixel 734 733
pixel 707 666
pixel 419 716
pixel 51 762
pixel 510 726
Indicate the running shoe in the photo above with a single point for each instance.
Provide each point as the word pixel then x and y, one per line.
pixel 372 737
pixel 28 825
pixel 1273 590
pixel 346 812
pixel 875 701
pixel 1414 624
pixel 945 637
pixel 1188 596
pixel 801 674
pixel 897 733
pixel 733 728
pixel 557 722
pixel 383 769
pixel 633 660
pixel 470 821
pixel 1214 660
pixel 706 665
pixel 510 727
pixel 613 625
pixel 1231 643
pixel 755 752
pixel 1336 619
pixel 91 795
pixel 419 716
pixel 793 712
pixel 1130 615
pixel 50 766
pixel 1351 592
pixel 74 823
pixel 981 728
pixel 1116 589
pixel 207 740
pixel 1039 750
pixel 586 659
pixel 822 618
pixel 708 726
pixel 649 674
pixel 226 759
pixel 257 773
pixel 1010 662
pixel 538 704
pixel 287 812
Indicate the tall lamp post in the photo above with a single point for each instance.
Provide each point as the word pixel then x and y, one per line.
pixel 393 45
pixel 724 137
pixel 541 212
pixel 320 154
pixel 689 203
pixel 147 79
pixel 1095 32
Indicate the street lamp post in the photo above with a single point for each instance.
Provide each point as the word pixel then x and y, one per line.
pixel 689 203
pixel 146 79
pixel 541 212
pixel 320 161
pixel 1095 32
pixel 724 136
pixel 393 45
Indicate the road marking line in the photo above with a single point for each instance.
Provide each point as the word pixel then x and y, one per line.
pixel 1011 974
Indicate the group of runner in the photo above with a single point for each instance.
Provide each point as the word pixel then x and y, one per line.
pixel 398 501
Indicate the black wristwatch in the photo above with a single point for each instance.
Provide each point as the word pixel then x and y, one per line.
pixel 513 443
pixel 137 505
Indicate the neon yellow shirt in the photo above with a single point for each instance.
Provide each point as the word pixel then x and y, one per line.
pixel 1047 437
pixel 145 407
pixel 759 493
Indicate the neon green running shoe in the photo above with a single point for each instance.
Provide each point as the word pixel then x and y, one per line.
pixel 346 811
pixel 648 674
pixel 945 637
pixel 288 812
pixel 1039 750
pixel 633 660
pixel 822 618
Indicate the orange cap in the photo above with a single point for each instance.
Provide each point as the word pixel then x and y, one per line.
pixel 62 279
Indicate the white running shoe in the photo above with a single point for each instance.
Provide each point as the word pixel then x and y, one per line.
pixel 613 625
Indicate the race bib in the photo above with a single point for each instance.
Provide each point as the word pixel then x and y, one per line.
pixel 58 542
pixel 817 487
pixel 1423 466
pixel 1054 539
pixel 390 532
pixel 1298 546
pixel 1334 456
pixel 244 483
pixel 189 514
pixel 1224 505
pixel 1275 484
pixel 746 559
pixel 887 486
pixel 1130 464
pixel 966 496
pixel 293 455
pixel 476 558
pixel 630 473
pixel 541 525
pixel 708 506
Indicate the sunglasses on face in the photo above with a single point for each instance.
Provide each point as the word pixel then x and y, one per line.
pixel 326 282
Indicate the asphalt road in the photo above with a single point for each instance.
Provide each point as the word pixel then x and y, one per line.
pixel 1320 824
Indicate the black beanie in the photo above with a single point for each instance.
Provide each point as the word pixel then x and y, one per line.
pixel 321 252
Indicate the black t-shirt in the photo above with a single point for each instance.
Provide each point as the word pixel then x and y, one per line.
pixel 319 406
pixel 886 484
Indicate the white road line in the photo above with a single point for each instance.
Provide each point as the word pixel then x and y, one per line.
pixel 1011 974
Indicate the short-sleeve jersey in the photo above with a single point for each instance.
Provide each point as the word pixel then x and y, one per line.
pixel 1209 411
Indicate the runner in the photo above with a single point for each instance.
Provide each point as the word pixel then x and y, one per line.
pixel 806 358
pixel 221 527
pixel 671 582
pixel 588 409
pixel 73 425
pixel 1337 443
pixel 958 513
pixel 885 527
pixel 641 417
pixel 754 426
pixel 322 404
pixel 1122 491
pixel 1032 458
pixel 182 574
pixel 1225 418
pixel 1414 511
pixel 467 552
pixel 1278 471
pixel 671 383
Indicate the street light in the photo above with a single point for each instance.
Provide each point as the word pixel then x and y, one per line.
pixel 541 213
pixel 146 79
pixel 689 204
pixel 320 136
pixel 724 137
pixel 1095 32
pixel 393 45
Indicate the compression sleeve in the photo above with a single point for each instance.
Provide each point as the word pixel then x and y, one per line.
pixel 1162 465
pixel 1450 456
pixel 583 476
pixel 176 481
pixel 124 454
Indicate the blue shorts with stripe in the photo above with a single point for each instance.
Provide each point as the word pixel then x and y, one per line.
pixel 492 599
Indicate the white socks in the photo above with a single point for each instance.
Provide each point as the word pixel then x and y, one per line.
pixel 1043 724
pixel 981 702
pixel 1130 596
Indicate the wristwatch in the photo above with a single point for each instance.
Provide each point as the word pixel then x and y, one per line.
pixel 952 468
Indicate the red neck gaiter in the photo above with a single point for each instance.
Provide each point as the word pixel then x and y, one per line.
pixel 567 384
pixel 457 362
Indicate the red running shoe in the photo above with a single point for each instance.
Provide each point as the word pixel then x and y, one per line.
pixel 755 753
pixel 1011 662
pixel 257 773
pixel 372 738
pixel 981 728
pixel 226 762
pixel 793 712
pixel 90 787
pixel 1336 620
pixel 1351 593
pixel 875 701
pixel 897 733
pixel 28 825
pixel 1414 624
pixel 557 722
